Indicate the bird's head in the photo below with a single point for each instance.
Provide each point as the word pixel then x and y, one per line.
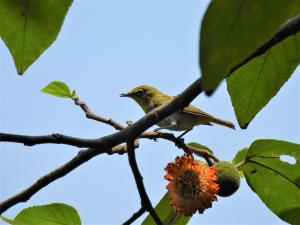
pixel 143 95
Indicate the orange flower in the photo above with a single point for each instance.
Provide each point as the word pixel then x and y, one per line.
pixel 192 185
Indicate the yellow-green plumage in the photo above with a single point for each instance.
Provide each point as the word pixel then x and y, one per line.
pixel 149 98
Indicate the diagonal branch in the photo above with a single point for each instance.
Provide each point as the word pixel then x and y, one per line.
pixel 145 201
pixel 287 29
pixel 82 157
pixel 91 115
pixel 135 216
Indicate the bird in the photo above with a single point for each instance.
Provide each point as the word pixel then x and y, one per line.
pixel 149 98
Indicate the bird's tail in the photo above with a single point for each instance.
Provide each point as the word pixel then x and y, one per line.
pixel 223 123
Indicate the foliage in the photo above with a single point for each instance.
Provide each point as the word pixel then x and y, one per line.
pixel 229 34
pixel 59 89
pixel 253 85
pixel 29 27
pixel 166 214
pixel 239 158
pixel 200 146
pixel 276 182
pixel 52 214
pixel 228 30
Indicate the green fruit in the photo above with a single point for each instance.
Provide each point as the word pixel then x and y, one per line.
pixel 228 178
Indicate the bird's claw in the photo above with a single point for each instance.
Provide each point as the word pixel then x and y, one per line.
pixel 156 130
pixel 179 142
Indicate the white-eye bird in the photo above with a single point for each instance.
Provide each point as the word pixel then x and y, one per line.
pixel 149 98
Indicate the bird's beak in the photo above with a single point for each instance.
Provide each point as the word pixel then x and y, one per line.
pixel 125 95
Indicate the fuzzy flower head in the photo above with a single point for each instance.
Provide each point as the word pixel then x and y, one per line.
pixel 192 185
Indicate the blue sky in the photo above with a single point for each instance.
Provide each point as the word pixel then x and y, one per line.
pixel 106 48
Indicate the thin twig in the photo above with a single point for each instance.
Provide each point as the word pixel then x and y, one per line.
pixel 180 144
pixel 91 115
pixel 145 201
pixel 135 216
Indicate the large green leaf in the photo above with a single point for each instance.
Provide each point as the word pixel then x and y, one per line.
pixel 240 156
pixel 253 85
pixel 52 214
pixel 233 29
pixel 28 27
pixel 166 214
pixel 275 180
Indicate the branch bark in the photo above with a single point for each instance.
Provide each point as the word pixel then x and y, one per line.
pixel 135 216
pixel 145 201
pixel 82 157
pixel 180 144
pixel 29 140
pixel 91 115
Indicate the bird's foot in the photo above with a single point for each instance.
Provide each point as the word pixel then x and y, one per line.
pixel 157 129
pixel 179 142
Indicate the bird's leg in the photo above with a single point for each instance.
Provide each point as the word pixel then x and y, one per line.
pixel 184 133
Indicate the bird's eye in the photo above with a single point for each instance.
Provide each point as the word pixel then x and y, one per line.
pixel 140 92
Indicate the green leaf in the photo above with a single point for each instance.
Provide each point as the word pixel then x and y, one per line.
pixel 200 146
pixel 230 32
pixel 57 88
pixel 239 158
pixel 28 27
pixel 253 85
pixel 166 214
pixel 275 180
pixel 52 214
pixel 8 220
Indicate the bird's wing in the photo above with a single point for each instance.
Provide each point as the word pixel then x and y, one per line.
pixel 158 101
pixel 193 110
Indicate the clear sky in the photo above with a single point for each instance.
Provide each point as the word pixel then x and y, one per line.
pixel 106 48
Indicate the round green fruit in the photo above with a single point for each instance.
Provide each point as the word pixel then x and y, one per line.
pixel 228 178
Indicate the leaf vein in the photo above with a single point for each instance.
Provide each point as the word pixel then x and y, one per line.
pixel 255 86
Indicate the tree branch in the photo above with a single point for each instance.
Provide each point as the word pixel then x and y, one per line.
pixel 145 201
pixel 135 216
pixel 28 140
pixel 180 144
pixel 129 133
pixel 82 157
pixel 287 29
pixel 98 146
pixel 91 115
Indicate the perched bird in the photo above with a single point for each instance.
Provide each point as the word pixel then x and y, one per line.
pixel 149 98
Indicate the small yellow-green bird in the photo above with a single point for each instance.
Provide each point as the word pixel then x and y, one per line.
pixel 149 98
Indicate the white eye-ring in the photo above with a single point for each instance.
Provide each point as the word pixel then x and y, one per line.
pixel 140 92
